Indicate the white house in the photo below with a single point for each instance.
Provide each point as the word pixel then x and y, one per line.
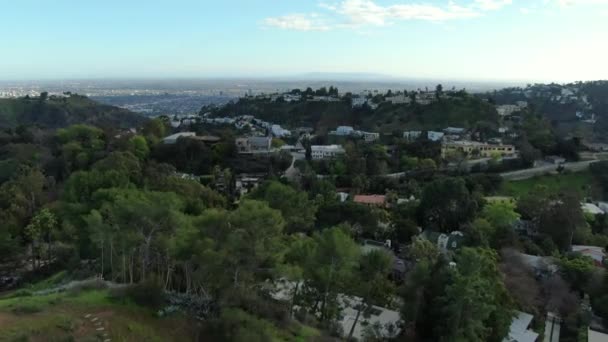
pixel 344 130
pixel 279 131
pixel 505 110
pixel 319 152
pixel 435 136
pixel 412 135
pixel 369 136
pixel 399 99
pixel 358 101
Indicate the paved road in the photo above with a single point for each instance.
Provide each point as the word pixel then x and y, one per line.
pixel 292 173
pixel 541 170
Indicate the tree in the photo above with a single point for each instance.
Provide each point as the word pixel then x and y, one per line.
pixel 155 129
pixel 446 204
pixel 298 211
pixel 476 306
pixel 139 147
pixel 81 146
pixel 373 285
pixel 577 270
pixel 20 199
pixel 331 270
pixel 254 241
pixel 480 233
pixel 561 217
pixel 533 203
pixel 41 229
pixel 297 263
pixel 438 91
pixel 500 214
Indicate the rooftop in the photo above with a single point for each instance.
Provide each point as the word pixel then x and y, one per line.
pixel 518 331
pixel 370 199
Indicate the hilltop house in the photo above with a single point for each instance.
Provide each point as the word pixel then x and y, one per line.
pixel 319 152
pixel 412 135
pixel 454 131
pixel 435 136
pixel 477 149
pixel 399 99
pixel 368 136
pixel 279 131
pixel 253 144
pixel 344 130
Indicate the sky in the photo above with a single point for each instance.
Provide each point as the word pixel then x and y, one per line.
pixel 518 40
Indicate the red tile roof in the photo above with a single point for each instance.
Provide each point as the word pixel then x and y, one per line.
pixel 370 199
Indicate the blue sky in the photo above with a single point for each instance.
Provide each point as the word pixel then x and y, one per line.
pixel 539 40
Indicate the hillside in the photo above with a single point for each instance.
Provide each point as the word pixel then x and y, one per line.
pixel 91 311
pixel 55 112
pixel 459 110
pixel 579 109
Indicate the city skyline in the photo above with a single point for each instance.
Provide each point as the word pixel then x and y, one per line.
pixel 509 40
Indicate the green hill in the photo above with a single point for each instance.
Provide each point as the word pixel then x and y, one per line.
pixel 55 112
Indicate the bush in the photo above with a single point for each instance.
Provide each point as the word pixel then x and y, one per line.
pixel 149 293
pixel 87 285
pixel 22 293
pixel 258 304
pixel 26 309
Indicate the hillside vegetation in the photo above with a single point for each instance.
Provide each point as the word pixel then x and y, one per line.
pixel 459 110
pixel 55 112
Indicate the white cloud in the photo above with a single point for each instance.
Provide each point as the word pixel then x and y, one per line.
pixel 566 3
pixel 298 22
pixel 358 13
pixel 490 5
pixel 367 12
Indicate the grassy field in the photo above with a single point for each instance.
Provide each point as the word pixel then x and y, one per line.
pixel 86 315
pixel 580 182
pixel 95 315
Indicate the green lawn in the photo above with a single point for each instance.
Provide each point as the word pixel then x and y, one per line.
pixel 580 182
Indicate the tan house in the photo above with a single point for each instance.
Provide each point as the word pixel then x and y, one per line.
pixel 474 149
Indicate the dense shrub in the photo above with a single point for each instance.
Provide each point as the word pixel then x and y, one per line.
pixel 148 293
